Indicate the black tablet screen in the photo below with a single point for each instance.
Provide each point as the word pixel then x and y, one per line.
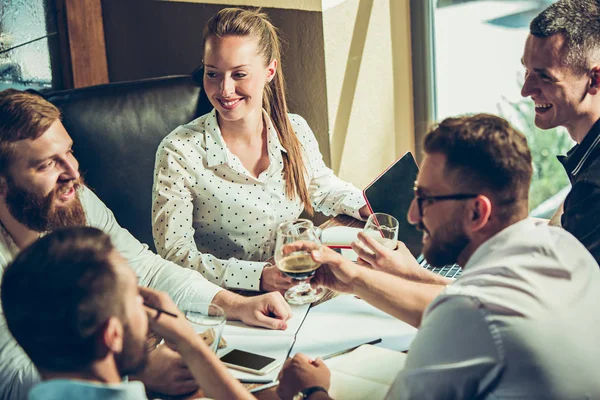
pixel 392 193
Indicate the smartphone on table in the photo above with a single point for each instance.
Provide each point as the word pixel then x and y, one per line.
pixel 249 362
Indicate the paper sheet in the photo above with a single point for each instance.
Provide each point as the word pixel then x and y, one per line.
pixel 346 322
pixel 338 324
pixel 366 373
pixel 239 328
pixel 339 236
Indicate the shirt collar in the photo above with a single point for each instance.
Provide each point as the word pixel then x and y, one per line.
pixel 272 136
pixel 576 157
pixel 500 240
pixel 216 153
pixel 216 148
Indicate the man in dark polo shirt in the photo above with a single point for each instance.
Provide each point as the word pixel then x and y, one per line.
pixel 562 62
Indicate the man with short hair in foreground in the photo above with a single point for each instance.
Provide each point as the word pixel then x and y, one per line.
pixel 41 190
pixel 73 303
pixel 522 321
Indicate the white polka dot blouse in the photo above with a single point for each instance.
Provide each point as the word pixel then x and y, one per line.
pixel 212 215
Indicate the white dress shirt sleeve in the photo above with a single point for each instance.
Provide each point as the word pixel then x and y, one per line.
pixel 17 372
pixel 457 353
pixel 328 193
pixel 183 285
pixel 172 224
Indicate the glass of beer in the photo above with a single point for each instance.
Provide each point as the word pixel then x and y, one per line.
pixel 383 228
pixel 298 265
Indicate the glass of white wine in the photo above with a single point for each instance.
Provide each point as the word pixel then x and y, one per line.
pixel 298 265
pixel 383 228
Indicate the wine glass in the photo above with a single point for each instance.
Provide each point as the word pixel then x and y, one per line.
pixel 383 228
pixel 298 265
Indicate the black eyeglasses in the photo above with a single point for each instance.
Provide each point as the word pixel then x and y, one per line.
pixel 433 199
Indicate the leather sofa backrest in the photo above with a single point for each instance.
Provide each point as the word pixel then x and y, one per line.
pixel 116 129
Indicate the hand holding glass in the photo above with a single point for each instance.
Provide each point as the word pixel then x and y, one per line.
pixel 298 265
pixel 383 228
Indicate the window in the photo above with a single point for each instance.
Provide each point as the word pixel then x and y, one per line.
pixel 476 67
pixel 28 44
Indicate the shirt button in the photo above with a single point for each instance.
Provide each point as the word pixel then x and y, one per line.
pixel 271 217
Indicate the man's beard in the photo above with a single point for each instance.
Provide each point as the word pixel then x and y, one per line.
pixel 134 357
pixel 445 245
pixel 40 213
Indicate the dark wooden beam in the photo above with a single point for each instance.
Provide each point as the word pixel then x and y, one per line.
pixel 83 49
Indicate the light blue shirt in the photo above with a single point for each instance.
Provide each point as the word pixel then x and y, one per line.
pixel 65 389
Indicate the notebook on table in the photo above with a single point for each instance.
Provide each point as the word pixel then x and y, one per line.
pixel 366 373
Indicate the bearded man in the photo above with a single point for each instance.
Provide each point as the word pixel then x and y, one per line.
pixel 41 190
pixel 522 316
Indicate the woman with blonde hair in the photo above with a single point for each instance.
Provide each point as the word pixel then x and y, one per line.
pixel 225 181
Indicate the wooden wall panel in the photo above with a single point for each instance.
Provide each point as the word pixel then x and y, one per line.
pixel 82 40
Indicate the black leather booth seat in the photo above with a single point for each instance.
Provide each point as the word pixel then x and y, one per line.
pixel 116 129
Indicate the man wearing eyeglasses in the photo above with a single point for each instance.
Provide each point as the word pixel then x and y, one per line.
pixel 522 316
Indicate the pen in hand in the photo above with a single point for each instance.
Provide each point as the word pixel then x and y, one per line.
pixel 160 311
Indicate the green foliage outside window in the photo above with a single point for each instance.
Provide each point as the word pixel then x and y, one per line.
pixel 548 174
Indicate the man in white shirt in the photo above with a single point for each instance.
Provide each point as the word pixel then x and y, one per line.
pixel 41 190
pixel 522 321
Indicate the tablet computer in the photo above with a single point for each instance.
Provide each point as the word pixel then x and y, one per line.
pixel 392 193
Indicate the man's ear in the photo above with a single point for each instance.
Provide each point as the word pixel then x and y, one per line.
pixel 112 335
pixel 594 85
pixel 480 212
